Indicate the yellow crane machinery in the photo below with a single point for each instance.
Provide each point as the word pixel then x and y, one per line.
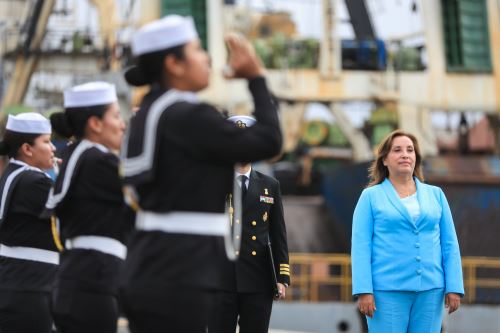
pixel 108 25
pixel 107 19
pixel 26 60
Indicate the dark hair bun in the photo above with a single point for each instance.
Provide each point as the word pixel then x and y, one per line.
pixel 61 125
pixel 4 148
pixel 135 76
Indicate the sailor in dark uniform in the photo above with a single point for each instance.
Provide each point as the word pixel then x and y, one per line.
pixel 93 217
pixel 262 271
pixel 179 161
pixel 28 255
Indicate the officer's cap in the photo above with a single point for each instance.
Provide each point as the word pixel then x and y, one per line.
pixel 170 31
pixel 242 121
pixel 90 94
pixel 29 122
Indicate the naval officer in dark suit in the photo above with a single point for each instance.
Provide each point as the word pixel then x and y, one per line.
pixel 250 283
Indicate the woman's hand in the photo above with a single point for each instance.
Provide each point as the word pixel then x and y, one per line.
pixel 366 304
pixel 452 302
pixel 243 62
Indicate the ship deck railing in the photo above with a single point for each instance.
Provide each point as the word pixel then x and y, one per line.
pixel 327 277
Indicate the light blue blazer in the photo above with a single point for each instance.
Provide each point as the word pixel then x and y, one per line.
pixel 391 252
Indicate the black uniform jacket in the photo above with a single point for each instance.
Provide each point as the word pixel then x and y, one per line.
pixel 25 194
pixel 92 205
pixel 262 219
pixel 195 151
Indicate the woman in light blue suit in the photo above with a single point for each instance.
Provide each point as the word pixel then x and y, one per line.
pixel 405 255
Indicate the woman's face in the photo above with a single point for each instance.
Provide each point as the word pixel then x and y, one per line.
pixel 111 128
pixel 195 66
pixel 42 152
pixel 401 158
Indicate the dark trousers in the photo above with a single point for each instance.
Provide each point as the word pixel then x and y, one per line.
pixel 176 309
pixel 25 312
pixel 253 309
pixel 84 312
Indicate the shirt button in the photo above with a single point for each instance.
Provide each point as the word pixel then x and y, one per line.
pixel 254 223
pixel 237 221
pixel 419 271
pixel 237 252
pixel 417 245
pixel 254 238
pixel 416 232
pixel 254 253
pixel 237 237
pixel 418 258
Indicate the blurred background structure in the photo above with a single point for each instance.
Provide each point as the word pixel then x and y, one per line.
pixel 345 73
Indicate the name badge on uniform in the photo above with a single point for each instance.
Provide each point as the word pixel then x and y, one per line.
pixel 269 200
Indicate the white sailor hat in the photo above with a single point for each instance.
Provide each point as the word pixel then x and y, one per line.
pixel 90 94
pixel 242 121
pixel 29 122
pixel 168 32
pixel 162 34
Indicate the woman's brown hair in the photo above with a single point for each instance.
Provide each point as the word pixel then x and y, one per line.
pixel 378 172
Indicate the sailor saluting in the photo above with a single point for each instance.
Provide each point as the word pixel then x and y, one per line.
pixel 88 201
pixel 179 157
pixel 28 256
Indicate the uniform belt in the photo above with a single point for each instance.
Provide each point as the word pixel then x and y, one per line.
pixel 196 223
pixel 30 253
pixel 98 243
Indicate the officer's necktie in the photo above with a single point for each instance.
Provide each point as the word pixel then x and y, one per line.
pixel 243 180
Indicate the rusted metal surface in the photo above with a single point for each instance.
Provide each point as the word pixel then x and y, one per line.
pixel 471 185
pixel 305 223
pixel 476 213
pixel 471 170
